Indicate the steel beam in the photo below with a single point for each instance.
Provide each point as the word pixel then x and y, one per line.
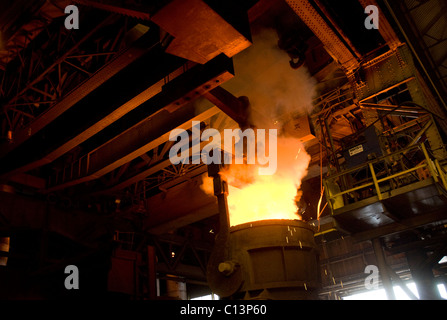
pixel 422 275
pixel 384 275
pixel 158 166
pixel 176 97
pixel 322 30
pixel 401 284
pixel 234 107
pixel 104 106
pixel 125 148
pixel 100 77
pixel 137 11
pixel 29 180
pixel 421 55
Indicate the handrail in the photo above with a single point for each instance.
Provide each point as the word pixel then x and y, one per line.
pixel 441 173
pixel 360 166
pixel 434 169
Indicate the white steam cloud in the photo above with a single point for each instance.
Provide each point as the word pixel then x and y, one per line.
pixel 278 94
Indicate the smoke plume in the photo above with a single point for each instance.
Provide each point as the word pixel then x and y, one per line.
pixel 278 94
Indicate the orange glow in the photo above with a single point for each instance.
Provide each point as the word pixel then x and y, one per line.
pixel 254 197
pixel 267 198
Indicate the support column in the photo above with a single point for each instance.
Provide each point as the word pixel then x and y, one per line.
pixel 383 270
pixel 151 273
pixel 422 274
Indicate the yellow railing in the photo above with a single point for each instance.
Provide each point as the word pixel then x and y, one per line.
pixel 442 173
pixel 434 169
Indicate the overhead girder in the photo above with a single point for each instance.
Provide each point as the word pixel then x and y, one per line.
pixel 212 117
pixel 51 65
pixel 150 126
pixel 333 44
pixel 118 63
pixel 135 10
pixel 64 127
pixel 106 104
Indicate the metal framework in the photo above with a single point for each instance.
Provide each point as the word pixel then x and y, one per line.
pixel 53 64
pixel 423 24
pixel 128 165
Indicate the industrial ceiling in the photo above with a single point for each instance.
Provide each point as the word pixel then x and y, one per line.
pixel 86 114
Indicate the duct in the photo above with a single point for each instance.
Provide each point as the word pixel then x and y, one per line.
pixel 202 30
pixel 227 30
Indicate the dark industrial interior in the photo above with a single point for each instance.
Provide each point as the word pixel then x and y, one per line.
pixel 86 171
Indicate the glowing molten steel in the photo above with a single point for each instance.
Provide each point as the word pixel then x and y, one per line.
pixel 267 198
pixel 279 96
pixel 254 197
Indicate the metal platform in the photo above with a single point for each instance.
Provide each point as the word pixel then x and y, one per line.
pixel 387 210
pixel 409 207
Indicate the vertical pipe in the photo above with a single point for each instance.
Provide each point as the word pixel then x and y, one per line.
pixel 220 251
pixel 386 281
pixel 331 141
pixel 323 137
pixel 328 197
